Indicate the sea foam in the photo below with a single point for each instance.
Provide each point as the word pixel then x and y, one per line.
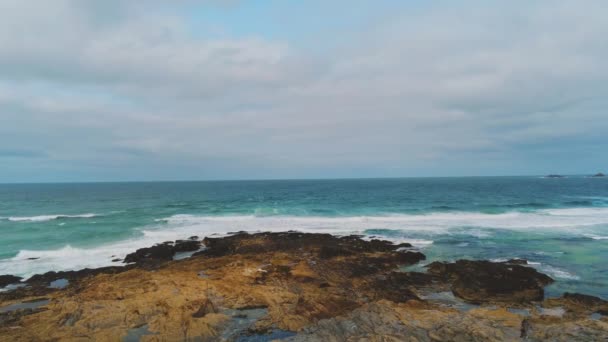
pixel 43 218
pixel 419 230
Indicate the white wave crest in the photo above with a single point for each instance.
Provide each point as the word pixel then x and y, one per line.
pixel 68 258
pixel 42 218
pixel 564 219
pixel 596 237
pixel 556 272
pixel 419 230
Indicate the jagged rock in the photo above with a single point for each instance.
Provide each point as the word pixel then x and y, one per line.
pixel 45 278
pixel 11 318
pixel 398 286
pixel 418 321
pixel 324 288
pixel 9 279
pixel 579 303
pixel 186 245
pixel 325 246
pixel 583 299
pixel 287 273
pixel 162 252
pixel 38 285
pixel 484 281
pixel 414 321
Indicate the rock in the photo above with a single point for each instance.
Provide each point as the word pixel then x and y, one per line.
pixel 485 281
pixel 418 321
pixel 322 287
pixel 327 252
pixel 152 256
pixel 578 303
pixel 160 252
pixel 413 321
pixel 8 279
pixel 599 174
pixel 583 299
pixel 517 261
pixel 38 285
pixel 300 278
pixel 398 286
pixel 325 245
pixel 12 318
pixel 48 277
pixel 186 245
pixel 554 176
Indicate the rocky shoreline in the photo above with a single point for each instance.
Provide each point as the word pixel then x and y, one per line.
pixel 295 287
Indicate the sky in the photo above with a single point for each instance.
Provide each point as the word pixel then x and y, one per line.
pixel 125 90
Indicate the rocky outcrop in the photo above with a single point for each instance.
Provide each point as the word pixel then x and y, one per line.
pixel 579 304
pixel 303 287
pixel 8 279
pixel 46 278
pixel 298 278
pixel 414 321
pixel 480 281
pixel 418 321
pixel 40 284
pixel 324 245
pixel 599 174
pixel 158 254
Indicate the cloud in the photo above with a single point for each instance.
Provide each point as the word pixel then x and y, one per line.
pixel 475 89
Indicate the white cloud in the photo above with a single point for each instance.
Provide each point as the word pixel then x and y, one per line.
pixel 467 86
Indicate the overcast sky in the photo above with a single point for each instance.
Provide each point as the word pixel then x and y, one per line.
pixel 102 90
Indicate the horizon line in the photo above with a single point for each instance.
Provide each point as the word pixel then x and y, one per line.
pixel 281 179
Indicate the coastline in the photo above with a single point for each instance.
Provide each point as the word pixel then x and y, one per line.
pixel 297 287
pixel 559 226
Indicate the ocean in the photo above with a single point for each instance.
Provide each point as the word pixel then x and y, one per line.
pixel 560 225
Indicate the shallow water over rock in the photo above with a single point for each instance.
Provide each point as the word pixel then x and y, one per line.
pixel 24 305
pixel 135 334
pixel 447 298
pixel 59 283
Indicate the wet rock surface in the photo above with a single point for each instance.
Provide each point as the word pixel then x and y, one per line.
pixel 480 281
pixel 44 284
pixel 579 304
pixel 8 279
pixel 157 254
pixel 296 287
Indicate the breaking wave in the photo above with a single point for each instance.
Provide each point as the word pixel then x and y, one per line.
pixel 419 230
pixel 43 218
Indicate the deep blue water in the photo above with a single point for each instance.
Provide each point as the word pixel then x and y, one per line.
pixel 559 224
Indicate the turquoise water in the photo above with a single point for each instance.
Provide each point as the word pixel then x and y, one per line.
pixel 561 225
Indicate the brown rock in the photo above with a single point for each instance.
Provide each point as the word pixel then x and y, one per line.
pixel 322 287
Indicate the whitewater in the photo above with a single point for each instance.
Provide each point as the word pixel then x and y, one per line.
pixel 561 228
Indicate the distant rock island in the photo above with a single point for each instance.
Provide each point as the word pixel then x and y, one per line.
pixel 599 174
pixel 554 176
